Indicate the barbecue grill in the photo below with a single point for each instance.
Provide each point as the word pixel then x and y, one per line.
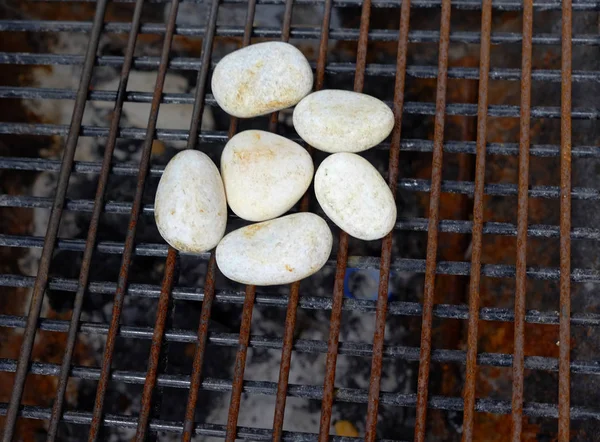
pixel 109 334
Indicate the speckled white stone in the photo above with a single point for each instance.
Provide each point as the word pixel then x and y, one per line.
pixel 190 207
pixel 264 174
pixel 355 196
pixel 279 251
pixel 342 121
pixel 261 78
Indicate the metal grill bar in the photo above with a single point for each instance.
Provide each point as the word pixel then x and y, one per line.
pixel 522 229
pixel 304 346
pixel 477 236
pixel 412 184
pixel 564 376
pixel 240 364
pixel 386 247
pixel 372 69
pixel 156 347
pixel 504 5
pixel 458 109
pixel 533 409
pixel 410 225
pixel 432 234
pixel 131 230
pixel 408 145
pixel 41 280
pixel 443 311
pixel 457 268
pixel 296 32
pixel 446 311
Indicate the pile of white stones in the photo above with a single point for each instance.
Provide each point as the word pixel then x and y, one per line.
pixel 263 175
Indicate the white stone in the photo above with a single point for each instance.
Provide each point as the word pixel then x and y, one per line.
pixel 279 251
pixel 264 174
pixel 342 121
pixel 355 196
pixel 190 207
pixel 261 78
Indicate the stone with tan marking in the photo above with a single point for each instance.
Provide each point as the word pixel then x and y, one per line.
pixel 261 78
pixel 355 196
pixel 342 121
pixel 278 251
pixel 264 174
pixel 190 207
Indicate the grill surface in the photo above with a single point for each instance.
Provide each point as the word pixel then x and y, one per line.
pixel 482 169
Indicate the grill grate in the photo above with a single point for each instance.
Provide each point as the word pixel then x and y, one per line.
pixel 154 375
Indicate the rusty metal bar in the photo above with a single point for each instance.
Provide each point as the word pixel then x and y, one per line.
pixel 131 231
pixel 240 364
pixel 564 375
pixel 334 336
pixel 209 283
pixel 93 226
pixel 361 51
pixel 342 255
pixel 41 281
pixel 386 248
pixel 522 221
pixel 156 345
pixel 432 234
pixel 199 351
pixel 477 235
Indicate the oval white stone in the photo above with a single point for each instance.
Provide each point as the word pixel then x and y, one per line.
pixel 342 121
pixel 355 196
pixel 261 78
pixel 190 207
pixel 279 251
pixel 264 174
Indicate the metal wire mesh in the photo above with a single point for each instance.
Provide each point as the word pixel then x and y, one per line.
pixel 153 376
